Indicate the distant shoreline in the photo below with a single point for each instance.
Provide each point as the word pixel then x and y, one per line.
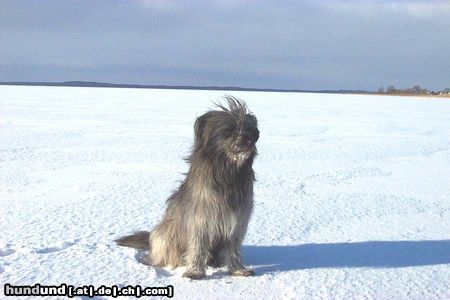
pixel 179 87
pixel 411 95
pixel 209 88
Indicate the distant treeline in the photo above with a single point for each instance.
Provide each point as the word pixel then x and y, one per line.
pixel 415 90
pixel 390 90
pixel 177 87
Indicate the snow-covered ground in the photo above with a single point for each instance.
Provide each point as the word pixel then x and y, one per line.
pixel 352 198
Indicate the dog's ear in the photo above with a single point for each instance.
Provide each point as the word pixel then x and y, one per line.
pixel 199 131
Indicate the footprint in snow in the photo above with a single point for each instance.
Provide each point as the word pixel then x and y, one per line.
pixel 6 251
pixel 141 257
pixel 345 176
pixel 60 246
pixel 161 272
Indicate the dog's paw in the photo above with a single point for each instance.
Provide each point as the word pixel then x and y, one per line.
pixel 242 272
pixel 194 274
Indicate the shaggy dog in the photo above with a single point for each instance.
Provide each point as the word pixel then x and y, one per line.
pixel 207 216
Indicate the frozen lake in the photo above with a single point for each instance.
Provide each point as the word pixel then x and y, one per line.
pixel 352 198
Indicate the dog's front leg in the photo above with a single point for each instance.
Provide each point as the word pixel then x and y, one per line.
pixel 235 266
pixel 196 257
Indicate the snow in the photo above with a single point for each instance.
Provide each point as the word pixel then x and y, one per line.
pixel 352 198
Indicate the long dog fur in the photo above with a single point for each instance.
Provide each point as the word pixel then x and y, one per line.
pixel 207 216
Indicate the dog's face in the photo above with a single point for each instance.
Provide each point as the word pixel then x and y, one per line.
pixel 231 133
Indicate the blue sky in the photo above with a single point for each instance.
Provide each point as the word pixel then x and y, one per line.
pixel 264 44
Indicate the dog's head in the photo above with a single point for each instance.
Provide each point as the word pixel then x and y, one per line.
pixel 231 132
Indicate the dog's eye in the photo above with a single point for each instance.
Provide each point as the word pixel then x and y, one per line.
pixel 228 132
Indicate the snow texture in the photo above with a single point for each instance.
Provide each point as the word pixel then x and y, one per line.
pixel 352 198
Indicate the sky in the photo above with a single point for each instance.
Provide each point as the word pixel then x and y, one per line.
pixel 262 44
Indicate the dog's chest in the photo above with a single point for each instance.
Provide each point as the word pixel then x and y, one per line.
pixel 233 215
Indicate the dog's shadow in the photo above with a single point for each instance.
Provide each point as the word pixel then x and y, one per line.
pixel 371 254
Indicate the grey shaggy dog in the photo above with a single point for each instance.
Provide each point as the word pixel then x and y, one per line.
pixel 207 216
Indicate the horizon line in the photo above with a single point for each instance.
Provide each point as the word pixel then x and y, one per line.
pixel 80 83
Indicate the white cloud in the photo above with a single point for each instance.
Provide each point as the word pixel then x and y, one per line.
pixel 413 8
pixel 421 9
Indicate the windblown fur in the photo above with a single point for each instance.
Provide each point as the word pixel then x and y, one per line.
pixel 207 216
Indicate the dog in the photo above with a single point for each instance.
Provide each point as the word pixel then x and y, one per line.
pixel 206 218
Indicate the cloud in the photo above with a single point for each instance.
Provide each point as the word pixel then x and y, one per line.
pixel 421 9
pixel 294 44
pixel 412 8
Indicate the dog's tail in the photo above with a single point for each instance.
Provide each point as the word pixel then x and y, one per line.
pixel 138 240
